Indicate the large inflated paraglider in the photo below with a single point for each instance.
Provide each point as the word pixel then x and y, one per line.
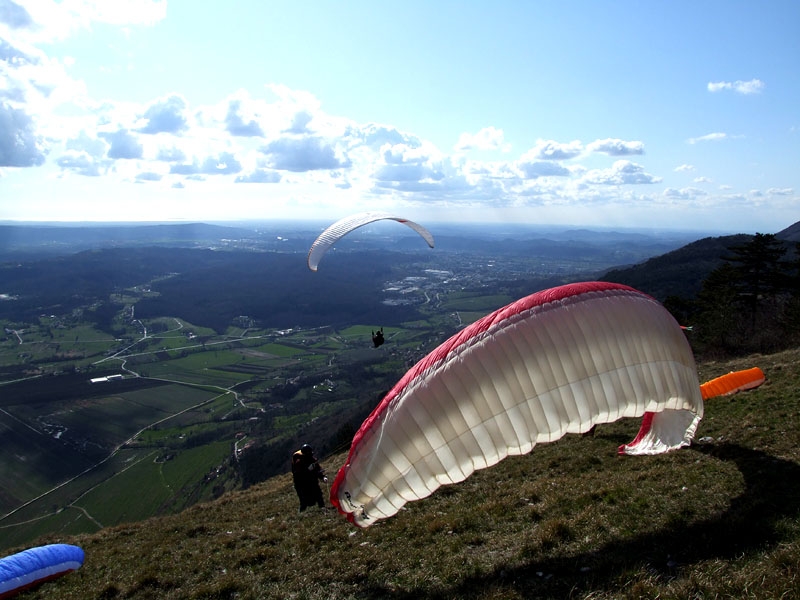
pixel 556 362
pixel 344 226
pixel 32 567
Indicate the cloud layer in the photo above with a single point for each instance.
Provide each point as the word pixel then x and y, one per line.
pixel 281 139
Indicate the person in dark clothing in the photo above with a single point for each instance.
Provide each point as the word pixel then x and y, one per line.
pixel 377 338
pixel 307 473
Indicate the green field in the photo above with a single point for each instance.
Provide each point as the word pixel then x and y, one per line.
pixel 105 421
pixel 155 482
pixel 53 344
pixel 475 301
pixel 135 484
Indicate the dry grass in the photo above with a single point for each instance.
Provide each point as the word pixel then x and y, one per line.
pixel 570 520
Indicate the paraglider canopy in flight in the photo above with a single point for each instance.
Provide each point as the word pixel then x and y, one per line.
pixel 556 362
pixel 344 226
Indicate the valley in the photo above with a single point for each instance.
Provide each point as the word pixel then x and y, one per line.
pixel 140 381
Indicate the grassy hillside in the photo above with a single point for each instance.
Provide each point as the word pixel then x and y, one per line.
pixel 570 520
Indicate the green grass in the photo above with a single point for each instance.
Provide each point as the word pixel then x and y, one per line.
pixel 153 481
pixel 569 520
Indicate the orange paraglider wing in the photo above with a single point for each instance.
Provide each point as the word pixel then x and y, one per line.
pixel 735 381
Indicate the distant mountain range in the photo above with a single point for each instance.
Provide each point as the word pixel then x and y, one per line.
pixel 28 240
pixel 61 238
pixel 261 272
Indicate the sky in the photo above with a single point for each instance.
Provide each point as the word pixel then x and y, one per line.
pixel 668 115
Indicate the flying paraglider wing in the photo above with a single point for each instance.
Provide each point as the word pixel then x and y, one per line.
pixel 344 226
pixel 31 567
pixel 730 383
pixel 556 362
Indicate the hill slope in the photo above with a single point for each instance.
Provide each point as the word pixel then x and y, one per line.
pixel 571 519
pixel 681 272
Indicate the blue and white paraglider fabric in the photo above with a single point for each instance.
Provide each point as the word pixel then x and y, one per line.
pixel 31 567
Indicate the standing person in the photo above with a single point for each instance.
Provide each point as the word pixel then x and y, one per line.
pixel 307 473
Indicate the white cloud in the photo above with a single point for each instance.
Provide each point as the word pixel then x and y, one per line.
pixel 622 172
pixel 552 150
pixel 50 20
pixel 20 145
pixel 304 153
pixel 376 136
pixel 411 172
pixel 223 163
pixel 238 122
pixel 259 176
pixel 684 168
pixel 93 146
pixel 780 191
pixel 403 154
pixel 402 163
pixel 80 162
pixel 148 176
pixel 433 184
pixel 167 115
pixel 292 111
pixel 533 169
pixel 123 144
pixel 14 15
pixel 702 180
pixel 616 147
pixel 687 193
pixel 170 154
pixel 488 138
pixel 710 137
pixel 31 86
pixel 300 122
pixel 753 86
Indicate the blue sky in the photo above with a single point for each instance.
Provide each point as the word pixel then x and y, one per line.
pixel 680 115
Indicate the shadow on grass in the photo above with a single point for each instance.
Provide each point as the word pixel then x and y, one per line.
pixel 751 524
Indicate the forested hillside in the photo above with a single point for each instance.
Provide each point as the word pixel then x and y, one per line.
pixel 735 294
pixel 680 272
pixel 207 287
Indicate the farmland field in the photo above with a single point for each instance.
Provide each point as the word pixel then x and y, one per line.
pixel 166 430
pixel 475 301
pixel 154 480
